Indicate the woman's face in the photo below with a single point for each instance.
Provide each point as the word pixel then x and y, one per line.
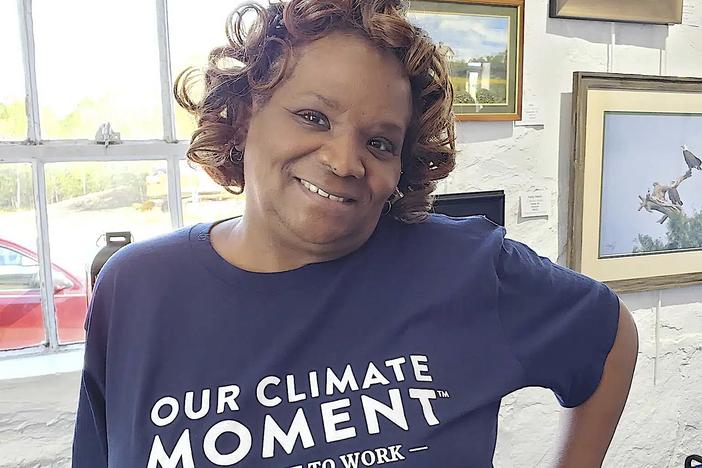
pixel 337 124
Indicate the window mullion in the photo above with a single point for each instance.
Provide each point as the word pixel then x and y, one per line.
pixel 175 205
pixel 44 251
pixel 164 50
pixel 24 7
pixel 84 150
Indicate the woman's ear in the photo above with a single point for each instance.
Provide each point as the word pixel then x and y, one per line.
pixel 240 141
pixel 242 129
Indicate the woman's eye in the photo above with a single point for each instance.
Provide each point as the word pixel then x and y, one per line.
pixel 385 145
pixel 315 118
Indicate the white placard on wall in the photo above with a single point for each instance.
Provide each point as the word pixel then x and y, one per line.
pixel 532 115
pixel 692 16
pixel 536 203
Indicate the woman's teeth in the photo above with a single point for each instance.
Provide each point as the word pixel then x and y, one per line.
pixel 314 189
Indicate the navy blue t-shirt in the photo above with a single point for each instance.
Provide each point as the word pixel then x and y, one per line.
pixel 399 352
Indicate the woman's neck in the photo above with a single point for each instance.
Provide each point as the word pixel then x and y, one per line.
pixel 241 242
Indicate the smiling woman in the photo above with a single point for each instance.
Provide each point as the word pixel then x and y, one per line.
pixel 337 297
pixel 374 130
pixel 261 62
pixel 338 144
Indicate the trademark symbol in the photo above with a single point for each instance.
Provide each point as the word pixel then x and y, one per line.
pixel 443 394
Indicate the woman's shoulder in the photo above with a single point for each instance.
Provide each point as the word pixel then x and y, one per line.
pixel 444 228
pixel 474 222
pixel 161 252
pixel 445 238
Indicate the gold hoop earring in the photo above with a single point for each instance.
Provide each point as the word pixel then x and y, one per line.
pixel 389 205
pixel 396 195
pixel 239 154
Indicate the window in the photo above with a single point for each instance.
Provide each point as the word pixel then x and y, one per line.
pixel 12 258
pixel 87 199
pixel 13 123
pixel 21 314
pixel 111 73
pixel 21 321
pixel 90 62
pixel 203 199
pixel 194 32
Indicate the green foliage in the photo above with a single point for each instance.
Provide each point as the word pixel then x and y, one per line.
pixel 463 97
pixel 71 180
pixel 458 67
pixel 649 244
pixel 684 232
pixel 486 96
pixel 498 65
pixel 84 120
pixel 498 83
pixel 13 121
pixel 12 178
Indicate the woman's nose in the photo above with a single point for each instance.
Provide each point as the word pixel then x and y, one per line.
pixel 344 156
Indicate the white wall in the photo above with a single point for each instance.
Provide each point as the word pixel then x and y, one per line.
pixel 36 420
pixel 663 420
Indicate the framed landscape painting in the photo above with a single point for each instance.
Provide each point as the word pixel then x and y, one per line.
pixel 484 44
pixel 636 180
pixel 632 11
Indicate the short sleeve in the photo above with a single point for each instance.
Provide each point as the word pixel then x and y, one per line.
pixel 560 324
pixel 90 431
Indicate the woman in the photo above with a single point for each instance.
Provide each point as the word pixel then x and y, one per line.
pixel 337 323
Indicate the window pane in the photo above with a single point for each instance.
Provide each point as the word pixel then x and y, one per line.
pixel 203 199
pixel 21 318
pixel 13 118
pixel 86 200
pixel 97 61
pixel 194 31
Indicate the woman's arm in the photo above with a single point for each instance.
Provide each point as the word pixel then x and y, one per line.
pixel 90 432
pixel 588 429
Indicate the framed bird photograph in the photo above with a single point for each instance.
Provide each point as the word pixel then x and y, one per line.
pixel 630 11
pixel 483 41
pixel 635 218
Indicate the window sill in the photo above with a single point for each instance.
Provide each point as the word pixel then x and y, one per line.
pixel 43 363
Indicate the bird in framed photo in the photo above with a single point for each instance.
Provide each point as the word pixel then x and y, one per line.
pixel 674 195
pixel 692 161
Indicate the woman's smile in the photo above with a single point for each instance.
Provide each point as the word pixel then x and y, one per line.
pixel 324 199
pixel 321 192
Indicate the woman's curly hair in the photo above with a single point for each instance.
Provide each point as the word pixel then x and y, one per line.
pixel 261 53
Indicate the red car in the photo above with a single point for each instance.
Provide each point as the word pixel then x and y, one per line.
pixel 21 317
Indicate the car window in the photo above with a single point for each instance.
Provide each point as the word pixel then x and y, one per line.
pixel 17 271
pixel 12 257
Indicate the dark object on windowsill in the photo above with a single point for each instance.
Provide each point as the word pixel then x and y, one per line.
pixel 114 241
pixel 491 204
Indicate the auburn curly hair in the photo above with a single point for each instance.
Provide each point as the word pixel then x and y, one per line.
pixel 255 59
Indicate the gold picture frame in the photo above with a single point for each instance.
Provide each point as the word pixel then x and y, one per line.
pixel 636 172
pixel 484 43
pixel 628 11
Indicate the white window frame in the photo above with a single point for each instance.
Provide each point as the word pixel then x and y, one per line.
pixel 39 152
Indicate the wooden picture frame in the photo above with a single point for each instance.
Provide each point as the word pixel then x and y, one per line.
pixel 484 44
pixel 627 11
pixel 636 180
